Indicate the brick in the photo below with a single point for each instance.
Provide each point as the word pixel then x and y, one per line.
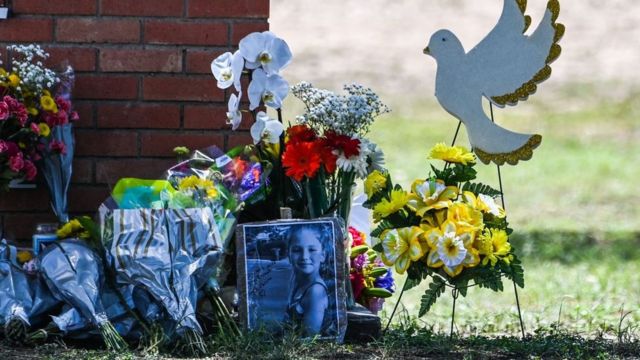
pixel 162 143
pixel 185 33
pixel 229 8
pixel 20 227
pixel 142 116
pixel 88 30
pixel 105 87
pixel 82 171
pixel 199 61
pixel 106 143
pixel 85 112
pixel 242 29
pixel 58 7
pixel 138 60
pixel 194 88
pixel 110 171
pixel 173 8
pixel 26 30
pixel 237 139
pixel 86 199
pixel 81 59
pixel 25 199
pixel 205 117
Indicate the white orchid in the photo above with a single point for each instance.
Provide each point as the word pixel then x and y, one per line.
pixel 266 129
pixel 269 89
pixel 234 116
pixel 266 50
pixel 227 69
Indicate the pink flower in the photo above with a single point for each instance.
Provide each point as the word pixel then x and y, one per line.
pixel 58 146
pixel 12 102
pixel 3 146
pixel 60 118
pixel 63 104
pixel 74 116
pixel 16 162
pixel 22 115
pixel 30 170
pixel 4 111
pixel 35 128
pixel 11 148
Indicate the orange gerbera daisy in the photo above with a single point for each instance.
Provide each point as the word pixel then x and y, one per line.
pixel 300 160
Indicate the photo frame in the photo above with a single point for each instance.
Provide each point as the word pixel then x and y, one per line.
pixel 291 277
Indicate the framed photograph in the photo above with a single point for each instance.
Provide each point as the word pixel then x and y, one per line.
pixel 291 276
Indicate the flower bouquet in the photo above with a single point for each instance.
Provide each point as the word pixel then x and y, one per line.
pixel 371 281
pixel 35 124
pixel 447 227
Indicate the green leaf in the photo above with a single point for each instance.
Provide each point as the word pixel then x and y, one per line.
pixel 462 173
pixel 379 271
pixel 378 247
pixel 436 288
pixel 382 226
pixel 94 232
pixel 377 292
pixel 513 271
pixel 357 250
pixel 415 274
pixel 480 188
pixel 489 278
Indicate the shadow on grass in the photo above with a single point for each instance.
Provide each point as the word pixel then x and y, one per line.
pixel 570 247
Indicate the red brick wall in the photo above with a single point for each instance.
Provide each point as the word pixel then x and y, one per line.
pixel 143 87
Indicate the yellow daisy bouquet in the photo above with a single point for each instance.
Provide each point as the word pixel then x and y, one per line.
pixel 446 227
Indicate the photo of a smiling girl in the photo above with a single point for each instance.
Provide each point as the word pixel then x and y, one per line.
pixel 290 278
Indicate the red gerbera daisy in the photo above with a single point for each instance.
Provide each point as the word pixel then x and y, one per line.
pixel 300 160
pixel 300 133
pixel 350 147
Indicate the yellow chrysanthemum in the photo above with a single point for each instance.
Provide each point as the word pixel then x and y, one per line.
pixel 384 208
pixel 14 80
pixel 450 249
pixel 402 246
pixel 452 154
pixel 375 182
pixel 72 229
pixel 430 194
pixel 32 111
pixel 483 203
pixel 494 245
pixel 194 182
pixel 48 104
pixel 24 256
pixel 466 218
pixel 212 192
pixel 44 129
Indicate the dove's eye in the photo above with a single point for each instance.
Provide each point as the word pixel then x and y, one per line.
pixel 444 39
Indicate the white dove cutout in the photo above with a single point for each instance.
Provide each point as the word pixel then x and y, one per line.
pixel 505 67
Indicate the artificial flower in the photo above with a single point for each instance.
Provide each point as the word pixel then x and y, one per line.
pixel 430 194
pixel 63 104
pixel 181 150
pixel 300 160
pixel 384 208
pixel 494 245
pixel 452 154
pixel 45 130
pixel 268 89
pixel 234 116
pixel 23 256
pixel 402 246
pixel 14 80
pixel 266 50
pixel 357 237
pixel 467 219
pixel 374 182
pixel 376 158
pixel 484 203
pixel 48 104
pixel 266 129
pixel 385 282
pixel 450 249
pixel 34 128
pixel 227 69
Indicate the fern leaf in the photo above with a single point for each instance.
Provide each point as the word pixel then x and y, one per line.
pixel 436 288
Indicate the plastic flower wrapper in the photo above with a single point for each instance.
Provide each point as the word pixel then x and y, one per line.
pixel 16 300
pixel 73 273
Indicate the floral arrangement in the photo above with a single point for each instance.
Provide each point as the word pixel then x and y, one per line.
pixel 371 281
pixel 313 166
pixel 28 113
pixel 447 227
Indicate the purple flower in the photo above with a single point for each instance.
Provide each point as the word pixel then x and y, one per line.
pixel 359 262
